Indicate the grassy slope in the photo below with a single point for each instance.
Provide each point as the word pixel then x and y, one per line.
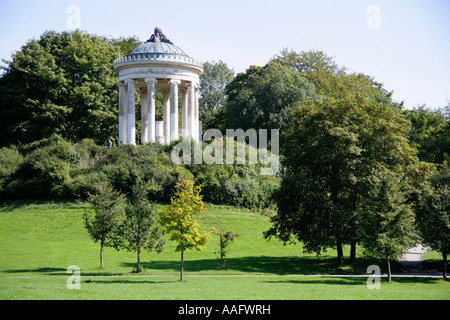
pixel 39 241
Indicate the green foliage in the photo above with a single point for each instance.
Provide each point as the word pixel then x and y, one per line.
pixel 10 162
pixel 55 168
pixel 332 81
pixel 178 218
pixel 104 224
pixel 225 239
pixel 331 157
pixel 235 184
pixel 45 169
pixel 61 83
pixel 433 215
pixel 125 45
pixel 387 220
pixel 430 133
pixel 264 97
pixel 140 229
pixel 213 82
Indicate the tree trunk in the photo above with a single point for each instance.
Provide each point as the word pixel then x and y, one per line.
pixel 222 258
pixel 101 255
pixel 340 253
pixel 353 251
pixel 138 261
pixel 181 274
pixel 444 255
pixel 389 269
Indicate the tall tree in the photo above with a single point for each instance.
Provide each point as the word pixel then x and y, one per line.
pixel 430 133
pixel 213 82
pixel 179 221
pixel 62 83
pixel 140 229
pixel 433 217
pixel 264 97
pixel 332 81
pixel 387 220
pixel 330 156
pixel 104 224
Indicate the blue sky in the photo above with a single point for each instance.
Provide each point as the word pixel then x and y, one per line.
pixel 403 44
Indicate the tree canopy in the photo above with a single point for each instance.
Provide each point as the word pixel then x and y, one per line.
pixel 62 83
pixel 331 156
pixel 264 97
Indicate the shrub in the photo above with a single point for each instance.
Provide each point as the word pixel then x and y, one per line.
pixel 83 182
pixel 10 161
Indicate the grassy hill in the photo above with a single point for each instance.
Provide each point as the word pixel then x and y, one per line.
pixel 39 240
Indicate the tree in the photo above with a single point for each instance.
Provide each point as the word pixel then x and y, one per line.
pixel 140 229
pixel 433 216
pixel 178 219
pixel 104 225
pixel 61 83
pixel 387 220
pixel 264 97
pixel 213 82
pixel 125 45
pixel 332 81
pixel 330 156
pixel 308 61
pixel 430 133
pixel 226 238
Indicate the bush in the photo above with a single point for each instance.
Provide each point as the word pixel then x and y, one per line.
pixel 10 162
pixel 46 173
pixel 89 151
pixel 82 182
pixel 56 168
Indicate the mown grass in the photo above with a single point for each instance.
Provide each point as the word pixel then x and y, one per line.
pixel 39 240
pixel 222 288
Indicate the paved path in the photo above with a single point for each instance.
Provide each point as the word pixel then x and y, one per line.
pixel 412 263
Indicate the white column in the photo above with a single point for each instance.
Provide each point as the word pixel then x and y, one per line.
pixel 184 112
pixel 166 116
pixel 191 106
pixel 174 109
pixel 122 113
pixel 151 108
pixel 144 117
pixel 159 137
pixel 196 115
pixel 131 117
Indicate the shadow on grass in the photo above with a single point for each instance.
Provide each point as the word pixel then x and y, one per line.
pixel 352 281
pixel 41 271
pixel 436 264
pixel 134 280
pixel 305 265
pixel 264 265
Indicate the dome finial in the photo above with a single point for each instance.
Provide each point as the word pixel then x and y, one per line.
pixel 158 36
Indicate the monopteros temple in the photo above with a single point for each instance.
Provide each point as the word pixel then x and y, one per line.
pixel 158 64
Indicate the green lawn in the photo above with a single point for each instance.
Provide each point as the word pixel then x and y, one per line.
pixel 39 241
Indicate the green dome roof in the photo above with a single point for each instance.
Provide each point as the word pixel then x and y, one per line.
pixel 158 47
